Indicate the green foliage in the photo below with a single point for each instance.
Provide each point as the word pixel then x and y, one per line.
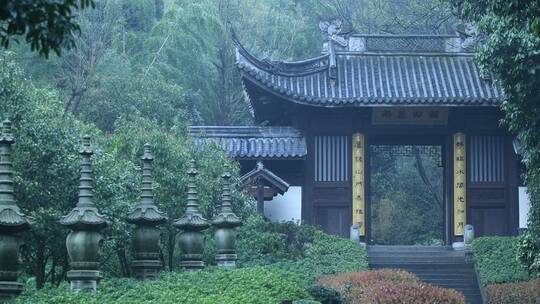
pixel 46 25
pixel 264 285
pixel 513 293
pixel 406 196
pixel 329 254
pixel 325 294
pixel 510 52
pixel 497 260
pixel 299 248
pixel 178 55
pixel 47 170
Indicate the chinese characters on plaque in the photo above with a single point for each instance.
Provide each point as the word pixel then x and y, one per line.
pixel 460 186
pixel 358 203
pixel 410 116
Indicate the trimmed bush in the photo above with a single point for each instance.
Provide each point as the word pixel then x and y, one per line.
pixel 351 285
pixel 328 255
pixel 514 293
pixel 344 282
pixel 264 285
pixel 497 260
pixel 399 293
pixel 387 286
pixel 303 249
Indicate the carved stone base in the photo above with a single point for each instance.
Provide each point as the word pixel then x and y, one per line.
pixel 146 269
pixel 226 260
pixel 9 290
pixel 458 245
pixel 84 280
pixel 192 265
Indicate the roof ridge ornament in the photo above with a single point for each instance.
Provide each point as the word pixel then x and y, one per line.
pixel 332 30
pixel 469 36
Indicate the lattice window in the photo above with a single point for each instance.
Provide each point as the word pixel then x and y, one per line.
pixel 487 159
pixel 389 151
pixel 417 44
pixel 332 158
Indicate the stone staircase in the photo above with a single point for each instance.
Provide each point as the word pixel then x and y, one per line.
pixel 437 265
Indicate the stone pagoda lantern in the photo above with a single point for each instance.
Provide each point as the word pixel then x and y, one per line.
pixel 12 221
pixel 147 217
pixel 85 222
pixel 226 222
pixel 191 240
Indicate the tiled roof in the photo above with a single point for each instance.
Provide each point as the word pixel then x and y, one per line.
pixel 252 142
pixel 270 177
pixel 371 78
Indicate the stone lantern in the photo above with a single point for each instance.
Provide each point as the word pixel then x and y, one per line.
pixel 147 217
pixel 191 240
pixel 226 222
pixel 12 221
pixel 85 222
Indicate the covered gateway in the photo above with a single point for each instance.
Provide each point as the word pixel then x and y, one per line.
pixel 398 134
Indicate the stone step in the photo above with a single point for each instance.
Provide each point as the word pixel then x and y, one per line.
pixel 436 265
pixel 442 267
pixel 418 259
pixel 382 248
pixel 443 281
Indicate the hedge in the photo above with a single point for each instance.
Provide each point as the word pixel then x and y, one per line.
pixel 497 260
pixel 303 249
pixel 387 286
pixel 278 261
pixel 264 285
pixel 514 293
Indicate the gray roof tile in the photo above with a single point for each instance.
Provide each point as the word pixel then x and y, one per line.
pixel 252 142
pixel 375 78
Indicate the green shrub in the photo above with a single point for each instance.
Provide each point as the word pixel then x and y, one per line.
pixel 328 255
pixel 263 242
pixel 264 285
pixel 529 251
pixel 324 294
pixel 514 293
pixel 497 260
pixel 303 249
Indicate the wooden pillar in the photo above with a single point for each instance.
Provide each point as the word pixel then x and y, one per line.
pixel 358 183
pixel 260 197
pixel 460 188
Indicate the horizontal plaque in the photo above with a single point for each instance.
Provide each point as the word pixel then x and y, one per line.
pixel 410 116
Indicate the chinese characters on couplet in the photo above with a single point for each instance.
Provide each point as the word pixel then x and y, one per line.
pixel 460 184
pixel 358 205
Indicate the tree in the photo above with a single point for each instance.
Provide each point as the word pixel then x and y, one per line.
pixel 510 51
pixel 46 25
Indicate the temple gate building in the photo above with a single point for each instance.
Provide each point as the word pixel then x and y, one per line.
pixel 397 135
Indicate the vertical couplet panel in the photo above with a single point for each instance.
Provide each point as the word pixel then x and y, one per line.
pixel 358 182
pixel 460 184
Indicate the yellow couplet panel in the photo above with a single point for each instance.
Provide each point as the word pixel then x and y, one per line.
pixel 460 184
pixel 358 182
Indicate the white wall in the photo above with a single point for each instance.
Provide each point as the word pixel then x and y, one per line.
pixel 524 206
pixel 286 207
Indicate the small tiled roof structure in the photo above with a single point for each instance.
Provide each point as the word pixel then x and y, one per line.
pixel 250 142
pixel 260 172
pixel 376 70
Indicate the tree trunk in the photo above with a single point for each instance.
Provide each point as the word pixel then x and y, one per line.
pixel 170 249
pixel 123 260
pixel 40 265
